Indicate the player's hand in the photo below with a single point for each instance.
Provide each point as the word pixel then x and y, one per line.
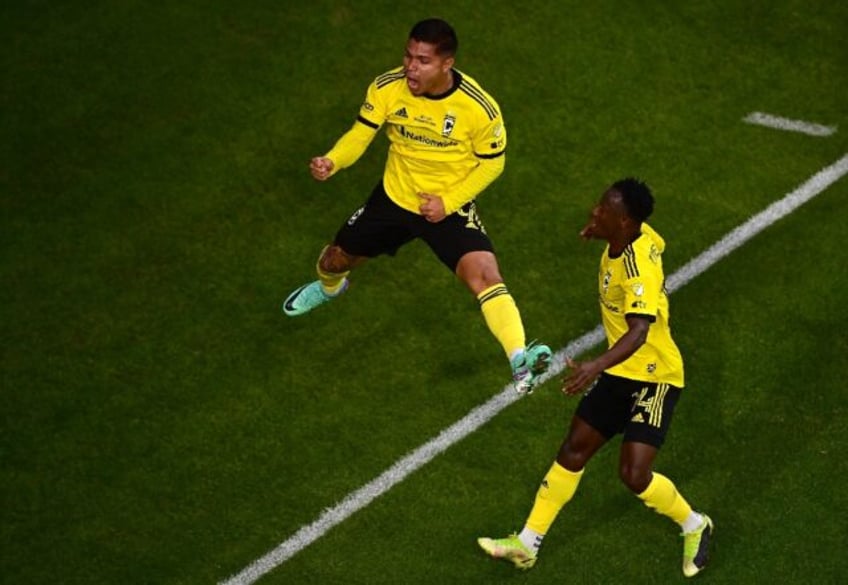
pixel 580 376
pixel 432 207
pixel 321 168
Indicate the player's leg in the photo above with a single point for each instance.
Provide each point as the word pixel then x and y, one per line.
pixel 661 494
pixel 479 271
pixel 556 489
pixel 600 415
pixel 597 419
pixel 560 483
pixel 652 408
pixel 373 229
pixel 333 266
pixel 461 243
pixel 306 297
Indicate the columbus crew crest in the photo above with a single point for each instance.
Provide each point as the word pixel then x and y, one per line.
pixel 448 124
pixel 607 278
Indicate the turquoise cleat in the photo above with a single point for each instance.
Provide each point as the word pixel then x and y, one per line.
pixel 307 297
pixel 529 365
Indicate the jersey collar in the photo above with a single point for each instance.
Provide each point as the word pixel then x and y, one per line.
pixel 457 79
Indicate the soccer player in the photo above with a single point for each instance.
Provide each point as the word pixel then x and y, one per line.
pixel 637 383
pixel 447 143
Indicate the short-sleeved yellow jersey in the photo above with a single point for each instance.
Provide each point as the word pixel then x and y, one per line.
pixel 633 283
pixel 435 141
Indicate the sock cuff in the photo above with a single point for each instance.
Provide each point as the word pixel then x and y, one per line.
pixel 655 482
pixel 324 275
pixel 558 469
pixel 492 292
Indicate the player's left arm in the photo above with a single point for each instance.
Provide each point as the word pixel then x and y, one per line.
pixel 480 177
pixel 489 147
pixel 436 208
pixel 582 373
pixel 641 299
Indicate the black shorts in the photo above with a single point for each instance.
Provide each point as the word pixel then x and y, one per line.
pixel 642 411
pixel 381 227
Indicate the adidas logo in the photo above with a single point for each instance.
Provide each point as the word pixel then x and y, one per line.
pixel 638 417
pixel 401 113
pixel 544 483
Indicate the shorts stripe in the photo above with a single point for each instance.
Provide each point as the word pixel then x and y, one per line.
pixel 656 411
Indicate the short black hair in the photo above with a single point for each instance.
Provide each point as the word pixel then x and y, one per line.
pixel 636 197
pixel 436 31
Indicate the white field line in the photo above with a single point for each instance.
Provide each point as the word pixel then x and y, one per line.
pixel 779 123
pixel 482 414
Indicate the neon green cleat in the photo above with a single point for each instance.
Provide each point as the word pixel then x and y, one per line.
pixel 529 365
pixel 307 297
pixel 511 549
pixel 696 546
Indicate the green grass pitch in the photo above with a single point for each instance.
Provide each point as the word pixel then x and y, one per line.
pixel 163 422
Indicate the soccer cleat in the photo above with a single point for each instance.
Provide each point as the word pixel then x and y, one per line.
pixel 696 546
pixel 528 366
pixel 510 548
pixel 539 358
pixel 522 379
pixel 307 297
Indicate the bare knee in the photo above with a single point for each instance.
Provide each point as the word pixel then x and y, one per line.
pixel 572 460
pixel 635 477
pixel 635 465
pixel 575 452
pixel 580 445
pixel 479 270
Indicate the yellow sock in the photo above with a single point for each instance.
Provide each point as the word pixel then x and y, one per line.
pixel 502 317
pixel 331 282
pixel 556 490
pixel 662 495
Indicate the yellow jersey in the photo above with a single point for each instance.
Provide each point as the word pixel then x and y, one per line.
pixel 436 142
pixel 633 283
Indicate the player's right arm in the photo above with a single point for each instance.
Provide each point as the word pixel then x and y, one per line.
pixel 355 141
pixel 582 373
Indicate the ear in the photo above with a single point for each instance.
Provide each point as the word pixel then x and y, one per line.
pixel 447 64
